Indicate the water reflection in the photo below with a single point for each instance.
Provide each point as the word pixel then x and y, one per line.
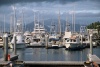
pixel 42 54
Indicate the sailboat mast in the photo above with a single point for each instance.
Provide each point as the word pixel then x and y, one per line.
pixel 22 21
pixel 59 24
pixel 11 26
pixel 43 23
pixel 14 18
pixel 66 24
pixel 74 18
pixel 4 23
pixel 72 22
pixel 38 23
pixel 34 21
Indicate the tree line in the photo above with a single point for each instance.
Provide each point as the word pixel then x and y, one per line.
pixel 94 25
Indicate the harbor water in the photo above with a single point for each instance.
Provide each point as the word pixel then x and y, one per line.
pixel 43 54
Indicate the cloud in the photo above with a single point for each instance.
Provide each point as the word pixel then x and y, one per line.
pixel 9 2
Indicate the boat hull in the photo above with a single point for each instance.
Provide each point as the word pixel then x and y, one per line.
pixel 74 46
pixel 18 45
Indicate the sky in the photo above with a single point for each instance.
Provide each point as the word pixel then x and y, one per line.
pixel 86 11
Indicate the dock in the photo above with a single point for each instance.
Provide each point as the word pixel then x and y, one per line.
pixel 51 63
pixel 21 63
pixel 4 63
pixel 10 61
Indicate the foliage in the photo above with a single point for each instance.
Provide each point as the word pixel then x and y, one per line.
pixel 95 25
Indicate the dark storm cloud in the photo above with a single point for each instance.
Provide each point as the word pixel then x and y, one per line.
pixel 8 2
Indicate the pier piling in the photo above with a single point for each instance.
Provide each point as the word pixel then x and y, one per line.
pixel 46 40
pixel 91 45
pixel 14 44
pixel 81 39
pixel 5 42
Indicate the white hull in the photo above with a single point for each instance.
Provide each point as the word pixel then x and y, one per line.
pixel 36 43
pixel 19 40
pixel 55 46
pixel 71 45
pixel 1 43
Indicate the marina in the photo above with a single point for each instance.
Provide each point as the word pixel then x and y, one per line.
pixel 46 49
pixel 56 33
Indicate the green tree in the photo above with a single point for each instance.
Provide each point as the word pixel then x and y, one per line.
pixel 95 25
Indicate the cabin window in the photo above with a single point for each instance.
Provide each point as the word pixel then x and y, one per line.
pixel 74 40
pixel 67 40
pixel 71 40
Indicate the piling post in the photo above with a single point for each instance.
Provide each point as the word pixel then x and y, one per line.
pixel 15 44
pixel 81 39
pixel 91 45
pixel 5 43
pixel 46 40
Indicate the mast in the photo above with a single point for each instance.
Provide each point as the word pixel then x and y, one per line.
pixel 11 26
pixel 34 21
pixel 38 23
pixel 22 21
pixel 51 29
pixel 4 23
pixel 59 24
pixel 67 25
pixel 74 18
pixel 72 22
pixel 43 23
pixel 14 18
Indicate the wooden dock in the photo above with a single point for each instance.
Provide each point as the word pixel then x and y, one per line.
pixel 55 63
pixel 94 58
pixel 7 63
pixel 47 63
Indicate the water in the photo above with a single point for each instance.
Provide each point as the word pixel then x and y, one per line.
pixel 42 54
